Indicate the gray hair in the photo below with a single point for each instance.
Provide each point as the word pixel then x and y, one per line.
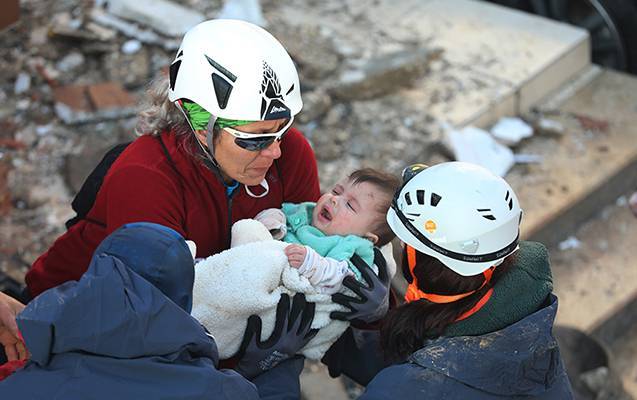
pixel 159 113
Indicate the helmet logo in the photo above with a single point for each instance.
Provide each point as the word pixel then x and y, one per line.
pixel 430 226
pixel 272 106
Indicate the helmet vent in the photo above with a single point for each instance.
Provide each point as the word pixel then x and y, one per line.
pixel 172 72
pixel 407 199
pixel 510 204
pixel 506 198
pixel 420 197
pixel 229 75
pixel 410 215
pixel 290 90
pixel 435 199
pixel 490 217
pixel 222 90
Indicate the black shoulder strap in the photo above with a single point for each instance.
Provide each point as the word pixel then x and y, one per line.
pixel 173 166
pixel 170 159
pixel 85 198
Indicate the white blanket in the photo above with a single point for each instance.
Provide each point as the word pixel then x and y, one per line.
pixel 248 279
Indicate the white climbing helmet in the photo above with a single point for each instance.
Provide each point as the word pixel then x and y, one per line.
pixel 457 212
pixel 235 70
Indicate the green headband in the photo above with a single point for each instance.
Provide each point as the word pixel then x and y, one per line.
pixel 199 118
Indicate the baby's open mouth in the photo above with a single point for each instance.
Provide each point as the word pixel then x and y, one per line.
pixel 326 214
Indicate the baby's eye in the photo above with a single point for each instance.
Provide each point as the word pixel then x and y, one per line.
pixel 349 205
pixel 334 191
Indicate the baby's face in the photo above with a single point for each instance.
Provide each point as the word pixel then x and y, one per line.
pixel 348 209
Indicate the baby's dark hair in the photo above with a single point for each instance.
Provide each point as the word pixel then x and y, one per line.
pixel 387 184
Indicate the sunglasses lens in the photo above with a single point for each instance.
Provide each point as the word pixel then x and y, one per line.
pixel 257 144
pixel 254 144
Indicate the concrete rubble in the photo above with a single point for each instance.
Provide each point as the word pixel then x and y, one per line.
pixel 73 74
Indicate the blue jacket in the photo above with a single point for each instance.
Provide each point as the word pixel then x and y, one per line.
pixel 124 331
pixel 521 361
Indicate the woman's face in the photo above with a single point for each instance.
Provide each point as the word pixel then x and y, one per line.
pixel 236 163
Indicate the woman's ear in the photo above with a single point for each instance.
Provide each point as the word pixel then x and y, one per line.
pixel 372 237
pixel 201 137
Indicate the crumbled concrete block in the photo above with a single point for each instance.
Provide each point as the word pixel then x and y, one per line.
pixel 165 17
pixel 132 30
pixel 510 131
pixel 546 126
pixel 22 83
pixel 86 103
pixel 246 10
pixel 479 147
pixel 384 75
pixel 131 46
pixel 70 62
pixel 109 95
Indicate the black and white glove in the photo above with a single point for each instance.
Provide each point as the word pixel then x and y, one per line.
pixel 373 295
pixel 292 331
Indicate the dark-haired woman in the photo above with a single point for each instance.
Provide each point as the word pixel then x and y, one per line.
pixel 479 309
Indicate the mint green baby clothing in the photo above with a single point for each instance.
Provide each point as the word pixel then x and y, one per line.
pixel 341 248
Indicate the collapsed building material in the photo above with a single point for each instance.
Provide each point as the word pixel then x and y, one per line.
pixel 76 104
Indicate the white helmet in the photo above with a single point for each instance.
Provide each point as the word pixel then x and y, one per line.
pixel 460 213
pixel 235 70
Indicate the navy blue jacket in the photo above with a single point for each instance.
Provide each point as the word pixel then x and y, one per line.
pixel 521 361
pixel 124 331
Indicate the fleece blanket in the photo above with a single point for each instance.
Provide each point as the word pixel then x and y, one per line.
pixel 248 279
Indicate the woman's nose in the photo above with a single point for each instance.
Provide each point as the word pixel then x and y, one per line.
pixel 273 151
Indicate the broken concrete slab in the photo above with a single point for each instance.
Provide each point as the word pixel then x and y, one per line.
pixel 131 70
pixel 166 17
pixel 245 10
pixel 477 146
pixel 132 30
pixel 86 103
pixel 383 75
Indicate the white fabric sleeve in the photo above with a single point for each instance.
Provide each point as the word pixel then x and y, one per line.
pixel 273 219
pixel 324 273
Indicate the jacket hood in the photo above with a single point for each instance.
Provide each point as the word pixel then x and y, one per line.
pixel 521 359
pixel 156 253
pixel 133 301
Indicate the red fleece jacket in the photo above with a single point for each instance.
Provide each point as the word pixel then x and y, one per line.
pixel 142 185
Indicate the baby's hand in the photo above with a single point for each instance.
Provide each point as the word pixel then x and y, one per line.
pixel 296 254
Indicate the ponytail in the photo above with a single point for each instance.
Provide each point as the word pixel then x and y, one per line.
pixel 406 328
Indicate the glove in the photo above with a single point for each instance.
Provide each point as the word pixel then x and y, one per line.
pixel 275 221
pixel 291 333
pixel 373 300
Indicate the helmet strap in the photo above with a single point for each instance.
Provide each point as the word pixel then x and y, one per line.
pixel 413 293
